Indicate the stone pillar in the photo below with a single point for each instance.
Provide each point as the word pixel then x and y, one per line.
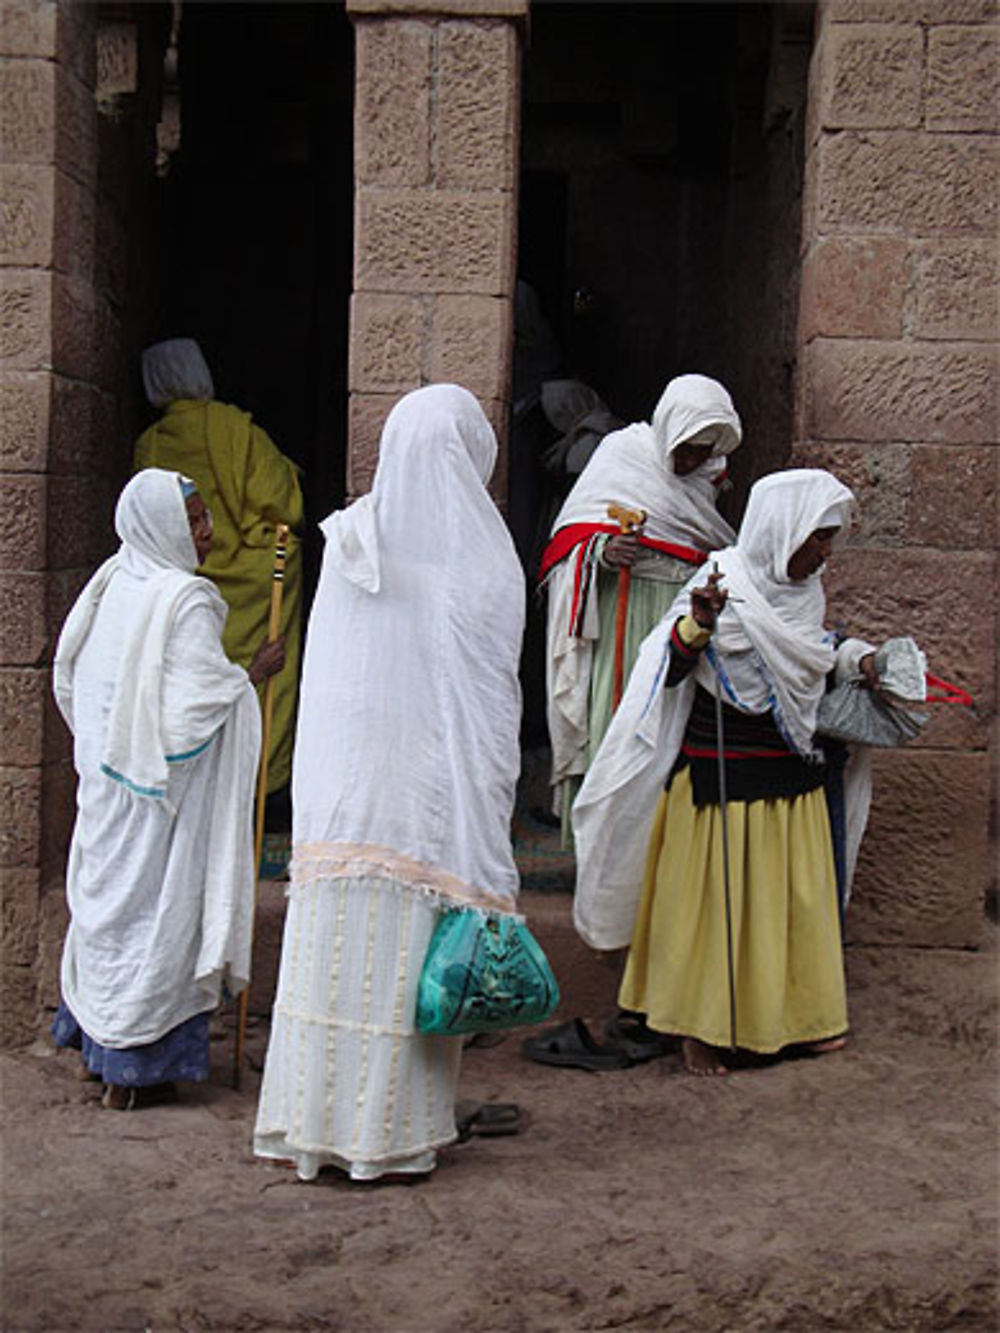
pixel 50 418
pixel 897 394
pixel 436 167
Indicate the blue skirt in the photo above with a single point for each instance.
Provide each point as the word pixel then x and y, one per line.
pixel 183 1053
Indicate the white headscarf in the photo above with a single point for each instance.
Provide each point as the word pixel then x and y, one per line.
pixel 410 706
pixel 773 655
pixel 633 467
pixel 158 554
pixel 176 369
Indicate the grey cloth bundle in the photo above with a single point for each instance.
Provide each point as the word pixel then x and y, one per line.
pixel 852 712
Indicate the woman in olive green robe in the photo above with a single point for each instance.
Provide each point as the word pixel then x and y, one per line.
pixel 250 487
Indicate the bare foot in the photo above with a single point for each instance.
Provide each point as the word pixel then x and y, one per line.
pixel 701 1059
pixel 827 1045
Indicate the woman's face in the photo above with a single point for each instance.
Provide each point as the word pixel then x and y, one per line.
pixel 812 554
pixel 200 520
pixel 689 457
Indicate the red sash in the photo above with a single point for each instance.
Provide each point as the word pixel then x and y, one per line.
pixel 566 538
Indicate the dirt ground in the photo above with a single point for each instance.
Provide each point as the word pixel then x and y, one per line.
pixel 857 1191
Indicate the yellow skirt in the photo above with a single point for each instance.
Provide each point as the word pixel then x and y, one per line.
pixel 787 963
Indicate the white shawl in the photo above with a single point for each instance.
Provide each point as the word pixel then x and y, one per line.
pixel 632 467
pixel 773 654
pixel 166 736
pixel 407 752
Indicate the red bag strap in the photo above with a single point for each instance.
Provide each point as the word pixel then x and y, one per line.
pixel 949 694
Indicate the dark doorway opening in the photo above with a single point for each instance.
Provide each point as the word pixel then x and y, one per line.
pixel 258 234
pixel 660 218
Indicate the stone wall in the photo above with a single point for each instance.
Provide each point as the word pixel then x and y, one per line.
pixel 52 382
pixel 898 395
pixel 436 128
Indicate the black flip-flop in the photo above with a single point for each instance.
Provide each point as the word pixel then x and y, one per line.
pixel 572 1046
pixel 486 1119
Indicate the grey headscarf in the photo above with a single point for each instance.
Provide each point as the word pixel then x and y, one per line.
pixel 176 369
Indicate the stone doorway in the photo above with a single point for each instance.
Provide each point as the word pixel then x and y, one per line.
pixel 257 241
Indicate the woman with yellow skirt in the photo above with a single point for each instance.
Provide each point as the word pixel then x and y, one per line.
pixel 747 955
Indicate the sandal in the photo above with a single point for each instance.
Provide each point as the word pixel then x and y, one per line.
pixel 571 1045
pixel 486 1120
pixel 632 1035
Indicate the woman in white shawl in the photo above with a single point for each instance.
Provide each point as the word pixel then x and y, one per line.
pixel 166 733
pixel 670 470
pixel 406 761
pixel 754 631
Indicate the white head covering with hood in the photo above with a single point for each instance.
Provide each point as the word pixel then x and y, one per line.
pixel 632 467
pixel 176 369
pixel 407 750
pixel 166 736
pixel 773 655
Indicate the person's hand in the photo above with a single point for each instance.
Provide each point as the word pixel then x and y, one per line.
pixel 708 601
pixel 622 550
pixel 267 660
pixel 869 675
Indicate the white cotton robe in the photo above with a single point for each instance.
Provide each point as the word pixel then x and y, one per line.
pixel 406 762
pixel 166 736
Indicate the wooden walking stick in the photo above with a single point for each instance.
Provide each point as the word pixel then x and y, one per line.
pixel 267 707
pixel 628 520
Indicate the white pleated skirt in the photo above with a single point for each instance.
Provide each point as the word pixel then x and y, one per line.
pixel 348 1081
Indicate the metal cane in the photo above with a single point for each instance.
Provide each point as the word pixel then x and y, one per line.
pixel 720 749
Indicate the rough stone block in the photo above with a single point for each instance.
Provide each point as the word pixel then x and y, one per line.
pixel 925 860
pixel 57 741
pixel 954 290
pixel 76 39
pixel 926 393
pixel 25 319
pixel 498 411
pixel 62 587
pixel 924 592
pixel 24 420
pixel 28 111
pixel 18 1006
pixel 920 184
pixel 74 327
pixel 76 127
pixel 471 344
pixel 22 535
pixel 18 917
pixel 872 77
pixel 58 810
pixel 962 79
pixel 28 28
pixel 75 239
pixel 80 524
pixel 20 817
pixel 386 343
pixel 433 241
pixel 910 11
pixel 27 211
pixel 366 417
pixel 477 105
pixel 954 497
pixel 23 694
pixel 392 116
pixel 513 9
pixel 853 287
pixel 117 60
pixel 53 919
pixel 880 479
pixel 22 618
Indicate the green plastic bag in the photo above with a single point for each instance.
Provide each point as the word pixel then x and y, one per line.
pixel 483 973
